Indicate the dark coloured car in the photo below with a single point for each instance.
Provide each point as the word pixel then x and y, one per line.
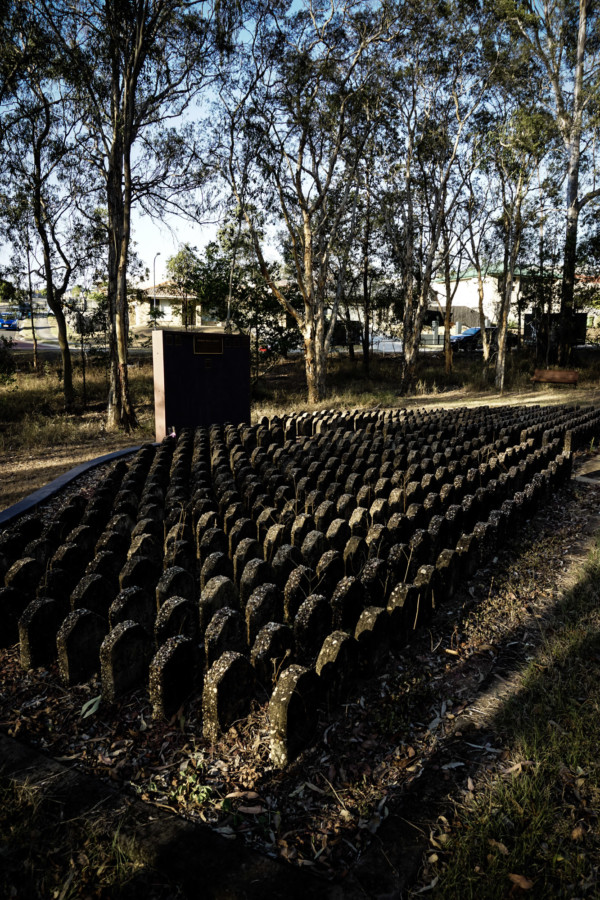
pixel 467 340
pixel 470 341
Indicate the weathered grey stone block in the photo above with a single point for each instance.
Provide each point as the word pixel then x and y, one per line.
pixel 264 605
pixel 93 592
pixel 141 571
pixel 225 632
pixel 313 548
pixel 78 643
pixel 356 553
pixel 297 589
pixel 337 665
pixel 175 582
pixel 136 604
pixel 271 653
pixel 215 564
pixel 173 675
pixel 218 593
pixel 37 632
pixel 347 603
pixel 372 635
pixel 24 575
pixel 292 714
pixel 312 624
pixel 177 615
pixel 330 569
pixel 124 656
pixel 227 694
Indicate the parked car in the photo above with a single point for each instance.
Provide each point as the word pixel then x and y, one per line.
pixel 9 323
pixel 470 340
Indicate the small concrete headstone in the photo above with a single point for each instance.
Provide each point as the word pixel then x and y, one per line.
pixel 227 694
pixel 347 603
pixel 124 658
pixel 218 593
pixel 247 549
pixel 313 548
pixel 375 578
pixel 297 589
pixel 24 576
pixel 356 553
pixel 225 632
pixel 78 643
pixel 256 572
pixel 271 653
pixel 38 626
pixel 112 542
pixel 141 571
pixel 177 615
pixel 330 569
pixel 136 604
pixel 173 675
pixel 144 545
pixel 175 582
pixel 273 540
pixel 302 525
pixel 214 540
pixel 359 522
pixel 94 592
pixel 292 714
pixel 337 665
pixel 338 534
pixel 215 564
pixel 372 635
pixel 312 624
pixel 264 605
pixel 284 562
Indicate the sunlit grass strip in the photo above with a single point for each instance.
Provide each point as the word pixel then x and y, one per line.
pixel 532 825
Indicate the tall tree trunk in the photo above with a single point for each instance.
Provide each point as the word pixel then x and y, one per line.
pixel 514 230
pixel 480 296
pixel 573 207
pixel 121 413
pixel 54 302
pixel 448 307
pixel 31 310
pixel 365 283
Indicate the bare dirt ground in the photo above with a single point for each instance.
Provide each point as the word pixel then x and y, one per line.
pixel 24 472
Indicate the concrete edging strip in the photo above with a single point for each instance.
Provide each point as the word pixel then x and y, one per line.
pixel 53 487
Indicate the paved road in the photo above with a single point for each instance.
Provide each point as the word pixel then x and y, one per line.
pixel 47 337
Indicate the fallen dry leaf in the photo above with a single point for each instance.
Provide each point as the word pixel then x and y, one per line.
pixel 498 845
pixel 577 833
pixel 524 883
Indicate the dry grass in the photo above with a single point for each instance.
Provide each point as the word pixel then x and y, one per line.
pixel 39 441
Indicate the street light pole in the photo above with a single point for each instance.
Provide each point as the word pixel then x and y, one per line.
pixel 154 292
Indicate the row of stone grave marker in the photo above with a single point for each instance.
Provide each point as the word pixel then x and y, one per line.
pixel 279 561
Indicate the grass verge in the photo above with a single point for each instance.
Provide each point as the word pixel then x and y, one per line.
pixel 532 826
pixel 45 856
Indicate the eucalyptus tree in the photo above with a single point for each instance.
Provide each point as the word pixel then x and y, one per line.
pixel 137 65
pixel 296 121
pixel 45 208
pixel 479 213
pixel 440 73
pixel 517 141
pixel 563 37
